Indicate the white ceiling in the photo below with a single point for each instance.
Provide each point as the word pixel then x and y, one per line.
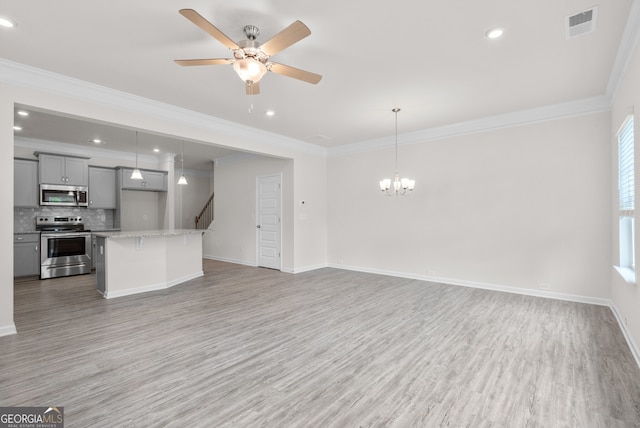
pixel 430 58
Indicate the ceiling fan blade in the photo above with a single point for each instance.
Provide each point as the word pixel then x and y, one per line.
pixel 285 38
pixel 208 27
pixel 253 89
pixel 296 73
pixel 211 61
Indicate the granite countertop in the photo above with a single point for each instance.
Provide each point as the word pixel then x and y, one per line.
pixel 148 233
pixel 94 231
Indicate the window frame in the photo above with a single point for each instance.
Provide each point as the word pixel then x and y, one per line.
pixel 626 199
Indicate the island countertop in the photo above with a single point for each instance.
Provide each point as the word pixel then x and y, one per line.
pixel 148 233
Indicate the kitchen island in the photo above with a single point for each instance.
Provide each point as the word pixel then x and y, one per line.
pixel 135 262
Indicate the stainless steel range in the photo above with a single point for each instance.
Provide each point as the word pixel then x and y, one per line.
pixel 65 246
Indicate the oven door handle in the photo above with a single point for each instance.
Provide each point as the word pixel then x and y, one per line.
pixel 66 235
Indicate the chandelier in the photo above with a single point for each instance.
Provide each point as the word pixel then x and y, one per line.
pixel 400 185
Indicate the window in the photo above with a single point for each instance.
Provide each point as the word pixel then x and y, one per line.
pixel 626 196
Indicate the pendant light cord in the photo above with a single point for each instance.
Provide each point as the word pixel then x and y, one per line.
pixel 396 110
pixel 137 149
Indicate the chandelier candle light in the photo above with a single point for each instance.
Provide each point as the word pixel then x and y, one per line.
pixel 400 186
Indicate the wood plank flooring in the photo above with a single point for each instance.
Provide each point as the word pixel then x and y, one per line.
pixel 251 347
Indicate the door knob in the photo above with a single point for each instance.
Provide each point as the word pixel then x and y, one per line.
pixel 258 226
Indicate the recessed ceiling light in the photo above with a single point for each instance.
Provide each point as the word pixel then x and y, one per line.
pixel 157 150
pixel 269 112
pixel 494 33
pixel 6 22
pixel 23 113
pixel 96 141
pixel 17 128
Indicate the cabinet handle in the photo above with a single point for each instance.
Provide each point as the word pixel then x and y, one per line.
pixel 19 238
pixel 36 248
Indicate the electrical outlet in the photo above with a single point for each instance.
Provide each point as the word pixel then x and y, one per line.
pixel 545 286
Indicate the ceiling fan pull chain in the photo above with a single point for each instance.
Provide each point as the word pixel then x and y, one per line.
pixel 251 98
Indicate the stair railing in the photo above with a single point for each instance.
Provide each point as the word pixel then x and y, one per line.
pixel 204 219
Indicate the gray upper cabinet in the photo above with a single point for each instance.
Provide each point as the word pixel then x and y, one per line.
pixel 25 183
pixel 102 187
pixel 54 169
pixel 155 181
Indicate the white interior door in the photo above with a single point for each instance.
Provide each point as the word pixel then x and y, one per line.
pixel 269 221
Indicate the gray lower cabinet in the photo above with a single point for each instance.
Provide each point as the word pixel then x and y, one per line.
pixel 25 183
pixel 98 255
pixel 26 254
pixel 155 181
pixel 102 187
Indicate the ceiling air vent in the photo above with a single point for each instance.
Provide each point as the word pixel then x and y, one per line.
pixel 581 23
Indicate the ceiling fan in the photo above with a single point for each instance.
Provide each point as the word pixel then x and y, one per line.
pixel 250 58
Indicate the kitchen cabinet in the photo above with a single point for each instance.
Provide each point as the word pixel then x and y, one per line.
pixel 154 181
pixel 94 253
pixel 54 169
pixel 102 187
pixel 25 183
pixel 26 254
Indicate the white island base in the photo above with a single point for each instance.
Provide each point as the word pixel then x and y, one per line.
pixel 137 262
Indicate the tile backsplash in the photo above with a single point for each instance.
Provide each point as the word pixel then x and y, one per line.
pixel 24 219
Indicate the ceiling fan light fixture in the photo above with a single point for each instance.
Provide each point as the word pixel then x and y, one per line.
pixel 494 33
pixel 249 69
pixel 6 22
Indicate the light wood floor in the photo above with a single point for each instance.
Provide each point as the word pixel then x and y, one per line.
pixel 248 347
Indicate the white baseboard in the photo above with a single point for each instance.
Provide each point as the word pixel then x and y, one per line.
pixel 152 287
pixel 184 279
pixel 285 269
pixel 625 332
pixel 484 286
pixel 307 268
pixel 7 330
pixel 137 290
pixel 229 260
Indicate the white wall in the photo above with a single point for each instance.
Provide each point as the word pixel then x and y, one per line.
pixel 190 199
pixel 140 210
pixel 232 236
pixel 626 297
pixel 6 212
pixel 516 207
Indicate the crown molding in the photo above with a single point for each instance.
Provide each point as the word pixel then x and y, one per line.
pixel 21 75
pixel 628 43
pixel 65 148
pixel 236 157
pixel 491 123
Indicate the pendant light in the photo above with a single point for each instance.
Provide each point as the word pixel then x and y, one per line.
pixel 136 174
pixel 182 179
pixel 400 186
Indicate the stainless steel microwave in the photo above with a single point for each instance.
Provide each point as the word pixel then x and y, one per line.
pixel 65 196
